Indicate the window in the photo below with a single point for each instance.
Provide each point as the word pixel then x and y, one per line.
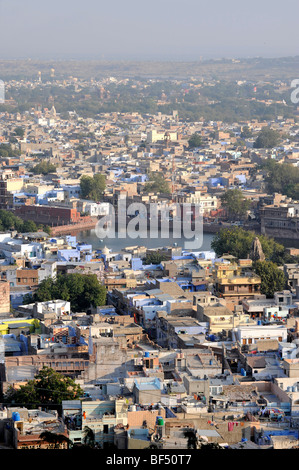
pixel 106 429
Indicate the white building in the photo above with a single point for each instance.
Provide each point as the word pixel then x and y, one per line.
pixel 251 334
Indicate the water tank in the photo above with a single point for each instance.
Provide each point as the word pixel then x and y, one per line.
pixel 133 408
pixel 16 416
pixel 259 322
pixel 160 421
pixel 146 354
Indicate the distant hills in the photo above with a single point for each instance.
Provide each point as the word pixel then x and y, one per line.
pixel 255 69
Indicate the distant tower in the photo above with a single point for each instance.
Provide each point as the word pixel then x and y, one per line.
pixel 167 139
pixel 75 80
pixel 175 115
pixel 52 73
pixel 53 112
pixel 39 77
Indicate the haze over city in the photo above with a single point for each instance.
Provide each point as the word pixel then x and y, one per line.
pixel 159 30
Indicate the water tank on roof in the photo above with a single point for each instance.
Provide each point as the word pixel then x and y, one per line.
pixel 16 416
pixel 160 421
pixel 146 354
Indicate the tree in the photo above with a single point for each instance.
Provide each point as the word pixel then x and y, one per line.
pixel 238 242
pixel 267 138
pixel 9 221
pixel 246 132
pixel 235 203
pixel 156 184
pixel 55 441
pixel 272 278
pixel 47 388
pixel 19 131
pixel 29 226
pixel 6 150
pixel 195 141
pixel 154 257
pixel 191 437
pixel 197 442
pixel 81 290
pixel 282 178
pixel 93 187
pixel 44 168
pixel 88 436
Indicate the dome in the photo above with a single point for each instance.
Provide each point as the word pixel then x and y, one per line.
pixel 105 251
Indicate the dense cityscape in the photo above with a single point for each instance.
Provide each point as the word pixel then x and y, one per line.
pixel 149 256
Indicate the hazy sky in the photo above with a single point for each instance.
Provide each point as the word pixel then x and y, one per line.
pixel 157 29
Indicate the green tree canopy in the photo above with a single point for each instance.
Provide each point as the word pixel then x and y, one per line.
pixel 282 178
pixel 235 203
pixel 267 138
pixel 6 151
pixel 55 441
pixel 156 184
pixel 47 388
pixel 43 168
pixel 8 221
pixel 89 436
pixel 154 257
pixel 246 132
pixel 92 187
pixel 272 277
pixel 238 242
pixel 195 141
pixel 81 290
pixel 19 131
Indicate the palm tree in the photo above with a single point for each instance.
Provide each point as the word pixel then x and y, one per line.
pixel 194 442
pixel 89 436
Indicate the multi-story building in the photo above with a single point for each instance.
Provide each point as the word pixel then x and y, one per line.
pixel 25 429
pixel 99 416
pixel 250 334
pixel 9 186
pixel 235 282
pixel 280 221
